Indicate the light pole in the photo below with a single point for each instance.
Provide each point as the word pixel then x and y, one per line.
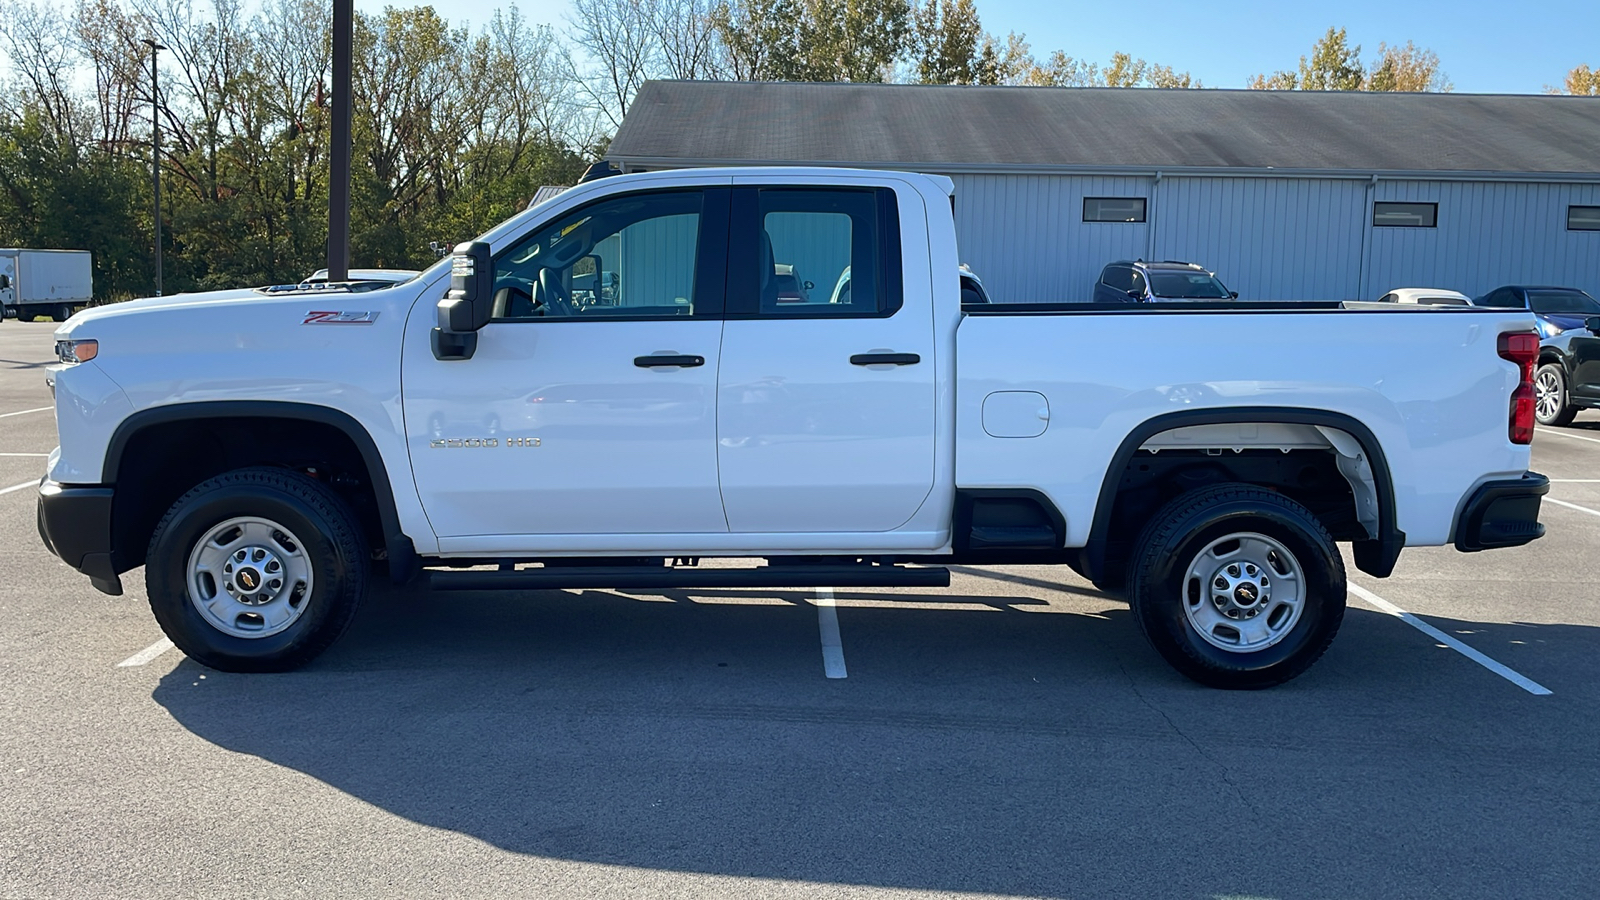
pixel 339 161
pixel 155 147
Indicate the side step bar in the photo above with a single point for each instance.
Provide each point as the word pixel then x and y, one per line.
pixel 624 577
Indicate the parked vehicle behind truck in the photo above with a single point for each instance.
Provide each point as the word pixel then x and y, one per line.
pixel 51 283
pixel 262 455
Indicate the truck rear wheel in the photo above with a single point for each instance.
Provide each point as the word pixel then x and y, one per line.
pixel 1237 587
pixel 60 313
pixel 256 570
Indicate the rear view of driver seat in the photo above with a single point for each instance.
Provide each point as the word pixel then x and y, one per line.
pixel 765 264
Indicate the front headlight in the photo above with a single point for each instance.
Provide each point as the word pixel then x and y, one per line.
pixel 70 353
pixel 1547 328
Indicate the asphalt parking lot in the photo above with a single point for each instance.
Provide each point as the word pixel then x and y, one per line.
pixel 1009 736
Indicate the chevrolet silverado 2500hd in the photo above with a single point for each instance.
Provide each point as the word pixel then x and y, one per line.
pixel 499 422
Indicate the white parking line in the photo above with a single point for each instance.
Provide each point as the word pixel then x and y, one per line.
pixel 18 487
pixel 147 654
pixel 23 412
pixel 1572 506
pixel 1521 681
pixel 828 625
pixel 40 455
pixel 1576 437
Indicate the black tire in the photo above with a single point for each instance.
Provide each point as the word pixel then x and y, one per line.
pixel 1565 413
pixel 332 545
pixel 1176 537
pixel 60 313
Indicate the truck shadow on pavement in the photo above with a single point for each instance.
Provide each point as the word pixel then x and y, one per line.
pixel 979 744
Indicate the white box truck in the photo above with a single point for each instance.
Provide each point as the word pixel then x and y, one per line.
pixel 50 283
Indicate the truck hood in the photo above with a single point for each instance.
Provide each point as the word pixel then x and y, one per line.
pixel 150 304
pixel 244 300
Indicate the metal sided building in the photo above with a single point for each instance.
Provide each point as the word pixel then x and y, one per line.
pixel 1286 195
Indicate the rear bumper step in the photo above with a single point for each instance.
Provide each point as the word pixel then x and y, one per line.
pixel 677 578
pixel 1502 514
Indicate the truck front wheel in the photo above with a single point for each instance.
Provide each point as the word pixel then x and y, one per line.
pixel 1237 587
pixel 256 570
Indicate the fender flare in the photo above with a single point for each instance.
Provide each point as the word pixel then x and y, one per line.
pixel 402 554
pixel 1375 556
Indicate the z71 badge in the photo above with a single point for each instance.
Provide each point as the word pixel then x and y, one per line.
pixel 345 317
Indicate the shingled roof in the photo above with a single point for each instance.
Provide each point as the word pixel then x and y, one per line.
pixel 969 128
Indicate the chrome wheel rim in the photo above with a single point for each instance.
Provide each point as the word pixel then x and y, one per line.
pixel 1244 592
pixel 249 577
pixel 1547 395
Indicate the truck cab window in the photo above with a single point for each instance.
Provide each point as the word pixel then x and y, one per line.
pixel 824 253
pixel 626 257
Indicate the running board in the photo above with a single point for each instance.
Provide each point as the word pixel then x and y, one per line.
pixel 652 577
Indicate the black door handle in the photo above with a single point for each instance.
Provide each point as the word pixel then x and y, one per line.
pixel 650 362
pixel 881 359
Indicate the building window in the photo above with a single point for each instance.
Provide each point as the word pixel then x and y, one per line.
pixel 1113 209
pixel 1583 218
pixel 1405 215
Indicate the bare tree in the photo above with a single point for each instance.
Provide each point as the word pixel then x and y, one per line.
pixel 39 38
pixel 107 36
pixel 685 34
pixel 622 49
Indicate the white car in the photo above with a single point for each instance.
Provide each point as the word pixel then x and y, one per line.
pixel 263 454
pixel 391 276
pixel 1426 297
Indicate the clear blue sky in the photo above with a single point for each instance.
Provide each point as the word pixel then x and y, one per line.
pixel 1484 46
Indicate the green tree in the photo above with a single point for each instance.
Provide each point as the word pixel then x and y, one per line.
pixel 852 40
pixel 55 195
pixel 761 38
pixel 947 44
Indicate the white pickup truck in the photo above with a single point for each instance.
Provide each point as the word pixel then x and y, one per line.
pixel 610 387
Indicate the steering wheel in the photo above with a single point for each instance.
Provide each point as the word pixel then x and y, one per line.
pixel 555 296
pixel 557 259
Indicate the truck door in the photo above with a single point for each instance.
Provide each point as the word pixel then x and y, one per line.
pixel 589 406
pixel 826 395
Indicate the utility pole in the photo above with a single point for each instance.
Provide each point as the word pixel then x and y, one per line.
pixel 339 161
pixel 155 147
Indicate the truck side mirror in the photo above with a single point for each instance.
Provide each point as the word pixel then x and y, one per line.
pixel 5 282
pixel 1593 324
pixel 468 305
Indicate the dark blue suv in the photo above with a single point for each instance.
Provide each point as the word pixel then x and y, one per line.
pixel 1568 378
pixel 1137 281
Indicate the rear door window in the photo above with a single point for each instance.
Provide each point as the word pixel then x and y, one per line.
pixel 830 252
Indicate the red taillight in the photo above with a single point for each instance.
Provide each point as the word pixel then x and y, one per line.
pixel 1522 348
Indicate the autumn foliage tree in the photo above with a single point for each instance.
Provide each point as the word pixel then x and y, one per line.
pixel 1335 65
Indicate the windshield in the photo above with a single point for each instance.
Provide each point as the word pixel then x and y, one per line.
pixel 1574 302
pixel 1187 286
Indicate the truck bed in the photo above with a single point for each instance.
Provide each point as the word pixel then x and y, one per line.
pixel 1413 377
